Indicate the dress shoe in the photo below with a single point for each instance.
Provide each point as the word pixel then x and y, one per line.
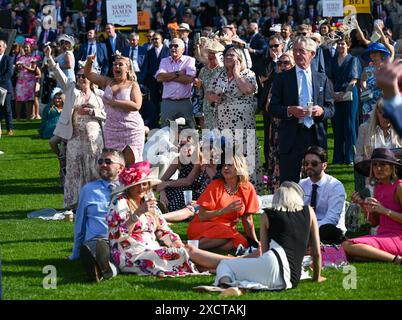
pixel 90 265
pixel 10 133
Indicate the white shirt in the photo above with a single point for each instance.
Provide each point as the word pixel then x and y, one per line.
pixel 1 57
pixel 331 196
pixel 158 51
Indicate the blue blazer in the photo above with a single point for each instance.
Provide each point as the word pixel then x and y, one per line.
pixel 142 61
pixel 101 56
pixel 6 72
pixel 285 93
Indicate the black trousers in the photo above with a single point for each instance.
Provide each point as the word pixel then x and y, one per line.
pixel 6 112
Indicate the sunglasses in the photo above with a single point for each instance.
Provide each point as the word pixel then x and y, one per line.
pixel 173 46
pixel 274 46
pixel 302 33
pixel 313 163
pixel 155 39
pixel 285 63
pixel 81 75
pixel 107 161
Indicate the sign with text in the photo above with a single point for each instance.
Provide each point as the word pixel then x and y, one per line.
pixel 333 8
pixel 122 12
pixel 361 6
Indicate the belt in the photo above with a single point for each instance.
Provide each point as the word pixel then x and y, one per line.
pixel 176 99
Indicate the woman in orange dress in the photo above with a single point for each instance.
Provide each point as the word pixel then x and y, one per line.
pixel 223 203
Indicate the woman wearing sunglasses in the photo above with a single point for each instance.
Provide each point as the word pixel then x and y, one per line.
pixel 79 125
pixel 285 62
pixel 124 126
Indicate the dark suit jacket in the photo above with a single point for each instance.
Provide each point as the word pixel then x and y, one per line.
pixel 285 93
pixel 81 27
pixel 51 37
pixel 374 11
pixel 121 43
pixel 101 56
pixel 142 61
pixel 154 86
pixel 6 72
pixel 318 63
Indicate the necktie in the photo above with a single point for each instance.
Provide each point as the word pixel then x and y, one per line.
pixel 132 53
pixel 185 49
pixel 313 201
pixel 305 98
pixel 46 36
pixel 90 51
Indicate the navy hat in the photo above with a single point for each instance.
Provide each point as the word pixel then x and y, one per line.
pixel 375 47
pixel 379 154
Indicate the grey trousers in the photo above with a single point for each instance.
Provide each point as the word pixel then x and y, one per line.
pixel 173 109
pixel 91 244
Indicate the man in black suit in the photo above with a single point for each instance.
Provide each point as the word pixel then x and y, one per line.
pixel 82 25
pixel 47 36
pixel 155 55
pixel 292 92
pixel 257 46
pixel 116 41
pixel 378 8
pixel 90 48
pixel 6 72
pixel 98 10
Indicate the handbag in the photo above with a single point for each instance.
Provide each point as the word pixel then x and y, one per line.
pixel 333 256
pixel 348 96
pixel 366 96
pixel 3 94
pixel 352 217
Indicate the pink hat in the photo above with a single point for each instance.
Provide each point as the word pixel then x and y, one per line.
pixel 137 173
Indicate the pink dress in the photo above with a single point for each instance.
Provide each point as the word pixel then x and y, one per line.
pixel 123 128
pixel 26 80
pixel 389 234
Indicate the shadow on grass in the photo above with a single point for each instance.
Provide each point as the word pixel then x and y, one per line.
pixel 30 186
pixel 40 240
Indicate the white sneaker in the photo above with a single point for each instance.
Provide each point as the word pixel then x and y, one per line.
pixel 1 152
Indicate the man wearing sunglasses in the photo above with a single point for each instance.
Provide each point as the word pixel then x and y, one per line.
pixel 325 194
pixel 91 244
pixel 303 99
pixel 177 73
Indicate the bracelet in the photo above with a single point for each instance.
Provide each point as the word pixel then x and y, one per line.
pixel 389 213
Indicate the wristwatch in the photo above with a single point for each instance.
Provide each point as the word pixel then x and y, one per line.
pixel 177 74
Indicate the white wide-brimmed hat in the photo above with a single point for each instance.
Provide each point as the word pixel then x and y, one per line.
pixel 66 37
pixel 184 27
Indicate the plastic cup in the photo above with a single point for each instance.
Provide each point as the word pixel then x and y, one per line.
pixel 188 196
pixel 310 109
pixel 194 243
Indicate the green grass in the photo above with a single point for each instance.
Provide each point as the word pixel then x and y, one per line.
pixel 29 181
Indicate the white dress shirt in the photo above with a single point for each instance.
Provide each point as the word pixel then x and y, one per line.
pixel 331 196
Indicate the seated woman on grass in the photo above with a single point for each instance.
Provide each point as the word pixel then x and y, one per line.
pixel 383 209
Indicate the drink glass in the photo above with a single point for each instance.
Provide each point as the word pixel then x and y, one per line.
pixel 188 196
pixel 150 196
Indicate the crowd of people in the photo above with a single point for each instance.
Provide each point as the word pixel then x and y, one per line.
pixel 197 83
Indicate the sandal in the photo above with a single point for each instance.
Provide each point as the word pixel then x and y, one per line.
pixel 397 260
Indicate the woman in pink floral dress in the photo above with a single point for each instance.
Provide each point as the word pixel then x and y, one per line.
pixel 136 225
pixel 27 72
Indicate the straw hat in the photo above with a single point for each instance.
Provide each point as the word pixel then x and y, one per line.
pixel 379 154
pixel 184 27
pixel 214 45
pixel 137 173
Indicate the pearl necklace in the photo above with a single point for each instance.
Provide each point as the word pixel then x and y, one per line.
pixel 230 191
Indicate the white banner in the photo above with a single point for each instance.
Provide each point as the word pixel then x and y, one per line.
pixel 333 8
pixel 122 12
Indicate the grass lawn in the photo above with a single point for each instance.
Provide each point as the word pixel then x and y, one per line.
pixel 29 181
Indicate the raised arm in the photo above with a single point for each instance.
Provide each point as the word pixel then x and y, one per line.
pixel 101 81
pixel 61 78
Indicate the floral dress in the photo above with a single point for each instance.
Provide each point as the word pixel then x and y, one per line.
pixel 236 112
pixel 369 105
pixel 139 251
pixel 26 80
pixel 210 116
